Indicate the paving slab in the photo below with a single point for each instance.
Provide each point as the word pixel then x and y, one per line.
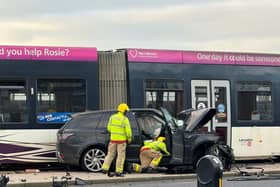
pixel 36 178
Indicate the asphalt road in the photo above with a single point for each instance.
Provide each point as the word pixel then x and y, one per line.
pixel 193 183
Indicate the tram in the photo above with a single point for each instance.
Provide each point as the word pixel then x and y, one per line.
pixel 41 85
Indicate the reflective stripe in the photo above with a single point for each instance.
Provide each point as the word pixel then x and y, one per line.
pixel 117 118
pixel 105 167
pixel 120 169
pixel 116 125
pixel 120 133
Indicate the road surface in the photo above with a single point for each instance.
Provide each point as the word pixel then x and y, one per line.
pixel 193 183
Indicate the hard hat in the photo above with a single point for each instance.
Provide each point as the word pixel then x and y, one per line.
pixel 123 107
pixel 161 139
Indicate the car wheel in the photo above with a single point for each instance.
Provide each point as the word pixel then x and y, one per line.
pixel 93 159
pixel 215 150
pixel 199 153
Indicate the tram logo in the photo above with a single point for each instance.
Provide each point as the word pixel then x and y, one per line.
pixel 246 142
pixel 133 53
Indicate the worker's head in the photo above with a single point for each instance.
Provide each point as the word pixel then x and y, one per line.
pixel 161 139
pixel 123 108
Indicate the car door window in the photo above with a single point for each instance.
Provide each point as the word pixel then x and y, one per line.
pixel 104 121
pixel 91 122
pixel 132 121
pixel 84 122
pixel 150 125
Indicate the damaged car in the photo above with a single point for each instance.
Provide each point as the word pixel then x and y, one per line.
pixel 84 139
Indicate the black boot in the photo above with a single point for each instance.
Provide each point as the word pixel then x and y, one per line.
pixel 104 171
pixel 119 174
pixel 111 174
pixel 149 170
pixel 129 168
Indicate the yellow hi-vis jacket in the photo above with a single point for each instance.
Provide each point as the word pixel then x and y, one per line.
pixel 157 146
pixel 119 128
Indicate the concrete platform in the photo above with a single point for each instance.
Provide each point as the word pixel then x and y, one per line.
pixel 36 178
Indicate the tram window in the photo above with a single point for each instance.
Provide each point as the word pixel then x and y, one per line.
pixel 13 102
pixel 57 98
pixel 164 93
pixel 201 97
pixel 170 100
pixel 254 101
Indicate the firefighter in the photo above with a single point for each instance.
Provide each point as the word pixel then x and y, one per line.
pixel 150 154
pixel 120 134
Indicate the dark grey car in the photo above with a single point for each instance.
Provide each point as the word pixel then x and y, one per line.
pixel 83 140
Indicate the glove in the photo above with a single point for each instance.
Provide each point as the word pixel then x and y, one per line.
pixel 129 141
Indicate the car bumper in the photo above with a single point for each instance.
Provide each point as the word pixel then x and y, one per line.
pixel 67 155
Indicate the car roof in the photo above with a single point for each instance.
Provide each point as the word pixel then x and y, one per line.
pixel 88 112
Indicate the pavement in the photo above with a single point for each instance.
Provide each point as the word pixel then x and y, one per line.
pixel 37 178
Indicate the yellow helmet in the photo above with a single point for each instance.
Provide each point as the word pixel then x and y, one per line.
pixel 161 139
pixel 123 108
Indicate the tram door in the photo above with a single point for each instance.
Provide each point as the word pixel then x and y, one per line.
pixel 216 94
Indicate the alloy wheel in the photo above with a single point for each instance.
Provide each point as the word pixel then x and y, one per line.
pixel 93 159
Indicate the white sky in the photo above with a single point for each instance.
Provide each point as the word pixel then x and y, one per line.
pixel 216 25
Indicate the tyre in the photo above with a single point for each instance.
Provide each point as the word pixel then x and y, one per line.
pixel 216 151
pixel 92 159
pixel 199 153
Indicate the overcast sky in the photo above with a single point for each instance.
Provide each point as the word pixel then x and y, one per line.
pixel 219 25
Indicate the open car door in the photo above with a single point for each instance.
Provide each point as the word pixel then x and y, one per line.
pixel 174 138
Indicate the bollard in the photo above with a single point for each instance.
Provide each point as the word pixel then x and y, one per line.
pixel 209 171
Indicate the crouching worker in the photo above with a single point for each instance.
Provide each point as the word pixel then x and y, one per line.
pixel 150 155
